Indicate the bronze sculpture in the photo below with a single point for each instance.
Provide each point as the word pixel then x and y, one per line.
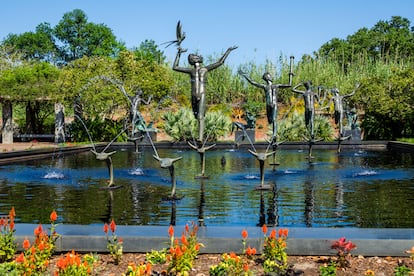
pixel 271 92
pixel 339 109
pixel 309 97
pixel 339 112
pixel 198 78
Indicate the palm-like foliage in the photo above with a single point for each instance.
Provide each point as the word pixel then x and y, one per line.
pixel 182 126
pixel 292 128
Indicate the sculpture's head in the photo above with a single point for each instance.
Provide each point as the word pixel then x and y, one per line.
pixel 307 84
pixel 335 90
pixel 267 77
pixel 193 59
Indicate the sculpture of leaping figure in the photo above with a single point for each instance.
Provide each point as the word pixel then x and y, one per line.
pixel 168 163
pixel 261 157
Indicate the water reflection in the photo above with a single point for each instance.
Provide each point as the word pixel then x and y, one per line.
pixel 352 189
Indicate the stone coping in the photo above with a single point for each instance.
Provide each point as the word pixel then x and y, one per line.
pixel 222 239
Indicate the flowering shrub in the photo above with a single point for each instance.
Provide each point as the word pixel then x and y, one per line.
pixel 140 270
pixel 250 252
pixel 274 250
pixel 73 264
pixel 7 239
pixel 114 244
pixel 36 257
pixel 232 264
pixel 183 251
pixel 343 248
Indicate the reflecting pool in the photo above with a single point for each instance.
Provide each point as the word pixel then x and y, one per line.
pixel 372 189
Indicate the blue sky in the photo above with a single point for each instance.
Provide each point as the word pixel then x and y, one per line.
pixel 263 29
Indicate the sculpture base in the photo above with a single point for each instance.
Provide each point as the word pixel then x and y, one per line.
pixel 240 136
pixel 354 133
pixel 263 188
pixel 112 187
pixel 200 176
pixel 172 198
pixel 142 137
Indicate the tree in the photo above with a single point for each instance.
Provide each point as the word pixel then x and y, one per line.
pixel 34 84
pixel 149 51
pixel 387 40
pixel 77 37
pixel 389 105
pixel 38 45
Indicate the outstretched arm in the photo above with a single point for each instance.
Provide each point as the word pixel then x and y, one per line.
pixel 177 61
pixel 353 92
pixel 221 60
pixel 250 80
pixel 294 89
pixel 148 101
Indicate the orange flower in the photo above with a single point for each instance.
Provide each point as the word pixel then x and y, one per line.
pixel 53 216
pixel 105 228
pixel 244 234
pixel 38 230
pixel 273 234
pixel 12 213
pixel 264 229
pixel 250 251
pixel 12 224
pixel 171 231
pixel 26 244
pixel 283 232
pixel 20 258
pixel 187 228
pixel 246 267
pixel 112 225
pixel 184 240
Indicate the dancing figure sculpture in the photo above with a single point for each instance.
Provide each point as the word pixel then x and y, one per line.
pixel 271 91
pixel 309 97
pixel 339 112
pixel 198 79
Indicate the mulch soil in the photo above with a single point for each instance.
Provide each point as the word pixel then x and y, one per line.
pixel 300 265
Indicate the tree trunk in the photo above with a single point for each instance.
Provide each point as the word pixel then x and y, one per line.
pixel 7 128
pixel 59 123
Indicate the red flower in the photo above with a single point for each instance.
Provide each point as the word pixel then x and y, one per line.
pixel 53 216
pixel 26 244
pixel 171 231
pixel 244 234
pixel 105 228
pixel 112 225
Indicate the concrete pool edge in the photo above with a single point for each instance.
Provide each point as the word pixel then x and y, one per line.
pixel 222 239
